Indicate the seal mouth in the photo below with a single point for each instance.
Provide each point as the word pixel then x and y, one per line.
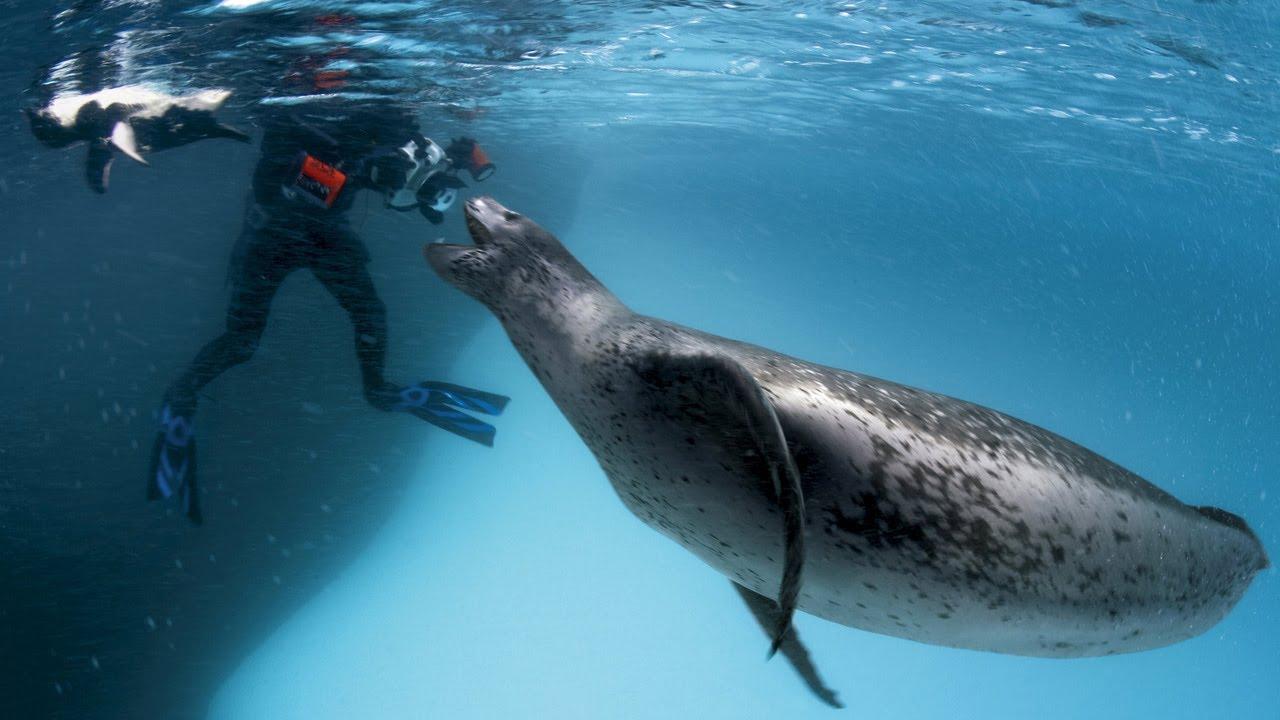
pixel 480 233
pixel 480 213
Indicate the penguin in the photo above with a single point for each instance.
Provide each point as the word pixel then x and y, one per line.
pixel 132 119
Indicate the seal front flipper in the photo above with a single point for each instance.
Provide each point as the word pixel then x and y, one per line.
pixel 766 612
pixel 710 393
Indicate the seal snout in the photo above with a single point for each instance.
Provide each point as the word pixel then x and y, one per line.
pixel 475 213
pixel 484 215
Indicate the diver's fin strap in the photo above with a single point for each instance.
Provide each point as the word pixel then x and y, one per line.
pixel 713 393
pixel 441 404
pixel 766 613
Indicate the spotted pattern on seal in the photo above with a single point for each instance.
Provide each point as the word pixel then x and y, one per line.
pixel 928 517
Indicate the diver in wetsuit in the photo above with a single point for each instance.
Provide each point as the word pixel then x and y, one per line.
pixel 311 166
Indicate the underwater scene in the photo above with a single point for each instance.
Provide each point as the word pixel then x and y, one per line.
pixel 639 359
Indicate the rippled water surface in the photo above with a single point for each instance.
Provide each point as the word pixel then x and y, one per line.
pixel 1067 210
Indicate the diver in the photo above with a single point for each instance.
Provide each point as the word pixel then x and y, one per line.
pixel 311 165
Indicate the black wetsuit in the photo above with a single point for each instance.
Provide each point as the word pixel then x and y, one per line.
pixel 283 233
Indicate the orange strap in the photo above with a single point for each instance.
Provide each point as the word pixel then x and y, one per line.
pixel 322 180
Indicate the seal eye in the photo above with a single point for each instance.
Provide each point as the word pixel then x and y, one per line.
pixel 510 216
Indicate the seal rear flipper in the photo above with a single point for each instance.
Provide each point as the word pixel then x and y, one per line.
pixel 711 393
pixel 97 169
pixel 766 613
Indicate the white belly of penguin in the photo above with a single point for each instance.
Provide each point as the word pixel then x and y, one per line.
pixel 1010 581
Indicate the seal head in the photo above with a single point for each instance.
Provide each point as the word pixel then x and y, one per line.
pixel 513 260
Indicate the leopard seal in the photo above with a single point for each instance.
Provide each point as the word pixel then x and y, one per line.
pixel 920 516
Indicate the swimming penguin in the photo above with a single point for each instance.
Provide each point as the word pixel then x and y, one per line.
pixel 132 119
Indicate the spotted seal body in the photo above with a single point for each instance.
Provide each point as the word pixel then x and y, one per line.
pixel 927 517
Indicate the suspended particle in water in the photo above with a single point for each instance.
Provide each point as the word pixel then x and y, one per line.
pixel 151 623
pixel 93 660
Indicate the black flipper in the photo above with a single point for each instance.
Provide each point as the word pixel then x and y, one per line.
pixel 766 612
pixel 713 393
pixel 441 404
pixel 97 170
pixel 223 130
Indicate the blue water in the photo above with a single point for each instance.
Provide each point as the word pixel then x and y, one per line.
pixel 1067 211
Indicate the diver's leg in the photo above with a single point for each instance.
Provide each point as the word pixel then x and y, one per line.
pixel 254 287
pixel 173 454
pixel 346 277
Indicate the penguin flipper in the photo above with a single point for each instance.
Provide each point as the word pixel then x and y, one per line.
pixel 233 133
pixel 124 140
pixel 97 169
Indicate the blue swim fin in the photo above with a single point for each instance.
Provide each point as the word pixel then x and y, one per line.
pixel 173 464
pixel 441 404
